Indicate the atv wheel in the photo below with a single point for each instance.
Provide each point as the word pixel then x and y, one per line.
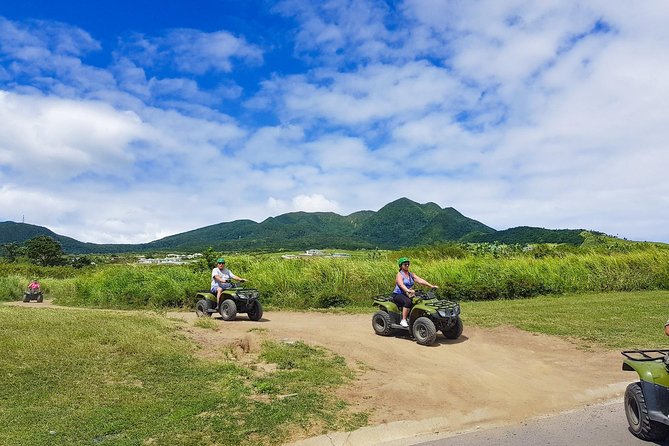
pixel 381 323
pixel 202 306
pixel 255 311
pixel 637 416
pixel 424 331
pixel 455 331
pixel 228 310
pixel 40 298
pixel 26 297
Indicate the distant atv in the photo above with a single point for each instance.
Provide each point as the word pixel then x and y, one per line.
pixel 427 315
pixel 234 300
pixel 647 400
pixel 33 294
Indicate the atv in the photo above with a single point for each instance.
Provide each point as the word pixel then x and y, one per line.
pixel 33 294
pixel 233 300
pixel 647 400
pixel 427 315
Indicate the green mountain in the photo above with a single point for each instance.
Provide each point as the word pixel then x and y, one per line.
pixel 401 223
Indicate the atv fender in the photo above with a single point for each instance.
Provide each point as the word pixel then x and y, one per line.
pixel 417 312
pixel 649 371
pixel 206 295
pixel 654 385
pixel 388 306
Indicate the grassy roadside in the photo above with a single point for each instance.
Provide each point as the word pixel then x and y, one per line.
pixel 73 377
pixel 613 320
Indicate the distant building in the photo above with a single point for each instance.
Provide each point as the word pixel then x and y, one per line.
pixel 315 253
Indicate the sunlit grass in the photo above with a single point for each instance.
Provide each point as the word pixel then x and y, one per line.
pixel 89 377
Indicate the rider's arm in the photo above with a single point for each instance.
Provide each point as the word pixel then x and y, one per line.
pixel 237 278
pixel 423 281
pixel 666 328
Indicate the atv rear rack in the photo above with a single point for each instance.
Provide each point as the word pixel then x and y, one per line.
pixel 645 355
pixel 383 297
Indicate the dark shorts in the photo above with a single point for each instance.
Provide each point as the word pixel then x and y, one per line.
pixel 402 301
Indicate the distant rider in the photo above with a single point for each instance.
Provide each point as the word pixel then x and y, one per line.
pixel 220 279
pixel 666 328
pixel 403 293
pixel 34 286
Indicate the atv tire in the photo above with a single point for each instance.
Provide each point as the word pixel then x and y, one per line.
pixel 381 323
pixel 26 297
pixel 255 311
pixel 202 306
pixel 455 331
pixel 40 298
pixel 228 310
pixel 637 416
pixel 424 331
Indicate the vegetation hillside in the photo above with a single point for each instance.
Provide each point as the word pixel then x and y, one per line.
pixel 400 224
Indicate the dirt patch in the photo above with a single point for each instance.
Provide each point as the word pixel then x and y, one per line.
pixel 485 376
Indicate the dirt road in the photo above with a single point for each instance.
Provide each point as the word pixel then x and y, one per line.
pixel 486 377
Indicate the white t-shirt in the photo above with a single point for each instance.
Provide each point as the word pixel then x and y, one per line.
pixel 224 273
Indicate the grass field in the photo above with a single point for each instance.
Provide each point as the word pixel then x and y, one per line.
pixel 613 320
pixel 73 377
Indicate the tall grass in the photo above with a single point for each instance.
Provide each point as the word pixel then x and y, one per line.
pixel 341 282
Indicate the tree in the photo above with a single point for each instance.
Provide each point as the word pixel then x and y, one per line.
pixel 12 252
pixel 80 262
pixel 45 251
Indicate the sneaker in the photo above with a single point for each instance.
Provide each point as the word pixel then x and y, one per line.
pixel 403 323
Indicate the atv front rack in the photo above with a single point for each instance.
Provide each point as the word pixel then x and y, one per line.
pixel 645 355
pixel 449 307
pixel 246 293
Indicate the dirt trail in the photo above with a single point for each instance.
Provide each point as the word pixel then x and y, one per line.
pixel 487 376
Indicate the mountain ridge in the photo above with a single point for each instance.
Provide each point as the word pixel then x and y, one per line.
pixel 399 224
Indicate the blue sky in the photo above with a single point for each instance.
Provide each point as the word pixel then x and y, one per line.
pixel 124 122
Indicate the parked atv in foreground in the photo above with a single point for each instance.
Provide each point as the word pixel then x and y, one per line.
pixel 427 315
pixel 647 400
pixel 234 300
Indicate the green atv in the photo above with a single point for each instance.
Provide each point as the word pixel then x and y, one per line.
pixel 234 300
pixel 647 401
pixel 427 315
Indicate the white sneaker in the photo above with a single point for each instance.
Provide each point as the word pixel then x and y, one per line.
pixel 403 323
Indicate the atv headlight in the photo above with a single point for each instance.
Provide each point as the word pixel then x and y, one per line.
pixel 442 313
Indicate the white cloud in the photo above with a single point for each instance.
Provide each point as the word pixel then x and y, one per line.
pixel 306 203
pixel 193 51
pixel 59 139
